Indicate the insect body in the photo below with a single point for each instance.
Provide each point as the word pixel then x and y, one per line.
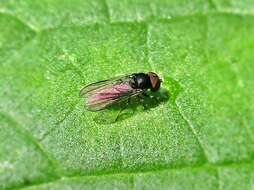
pixel 103 94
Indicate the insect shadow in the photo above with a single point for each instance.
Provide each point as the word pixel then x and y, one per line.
pixel 127 109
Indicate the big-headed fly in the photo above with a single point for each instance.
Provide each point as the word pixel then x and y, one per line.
pixel 103 94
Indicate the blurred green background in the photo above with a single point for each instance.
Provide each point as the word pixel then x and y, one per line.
pixel 201 137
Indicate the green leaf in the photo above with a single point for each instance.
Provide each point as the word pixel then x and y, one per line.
pixel 199 135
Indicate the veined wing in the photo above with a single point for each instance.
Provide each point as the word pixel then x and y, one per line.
pixel 85 91
pixel 103 94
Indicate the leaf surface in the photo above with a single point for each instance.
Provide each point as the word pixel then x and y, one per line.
pixel 201 137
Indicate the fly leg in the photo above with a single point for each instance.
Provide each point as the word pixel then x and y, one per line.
pixel 122 109
pixel 142 99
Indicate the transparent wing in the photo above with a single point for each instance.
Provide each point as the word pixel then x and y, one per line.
pixel 99 104
pixel 89 89
pixel 103 94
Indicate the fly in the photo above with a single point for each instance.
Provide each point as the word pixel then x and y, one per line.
pixel 103 94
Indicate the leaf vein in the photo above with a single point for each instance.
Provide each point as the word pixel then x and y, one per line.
pixel 27 24
pixel 37 30
pixel 58 123
pixel 20 130
pixel 136 173
pixel 193 131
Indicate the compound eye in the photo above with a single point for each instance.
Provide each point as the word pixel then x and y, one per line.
pixel 155 81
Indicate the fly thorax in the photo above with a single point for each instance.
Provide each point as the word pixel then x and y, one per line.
pixel 142 81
